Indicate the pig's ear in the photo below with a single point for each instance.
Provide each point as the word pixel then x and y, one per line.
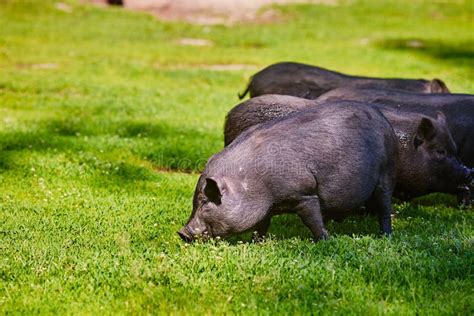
pixel 214 189
pixel 438 86
pixel 425 132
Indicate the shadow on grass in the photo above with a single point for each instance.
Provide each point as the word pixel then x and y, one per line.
pixel 435 213
pixel 289 226
pixel 38 140
pixel 166 146
pixel 444 199
pixel 458 54
pixel 6 160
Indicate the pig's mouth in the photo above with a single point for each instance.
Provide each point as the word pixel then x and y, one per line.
pixel 185 234
pixel 466 190
pixel 188 235
pixel 468 176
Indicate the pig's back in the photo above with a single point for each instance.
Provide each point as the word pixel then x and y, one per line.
pixel 413 85
pixel 300 80
pixel 404 100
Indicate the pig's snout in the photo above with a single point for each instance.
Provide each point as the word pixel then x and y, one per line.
pixel 470 179
pixel 189 234
pixel 185 234
pixel 463 174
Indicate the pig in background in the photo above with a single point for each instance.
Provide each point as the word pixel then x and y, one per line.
pixel 327 159
pixel 309 82
pixel 458 108
pixel 428 156
pixel 258 110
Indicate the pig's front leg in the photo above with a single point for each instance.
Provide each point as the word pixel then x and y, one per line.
pixel 261 230
pixel 309 210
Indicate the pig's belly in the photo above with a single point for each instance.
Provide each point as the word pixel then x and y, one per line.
pixel 347 194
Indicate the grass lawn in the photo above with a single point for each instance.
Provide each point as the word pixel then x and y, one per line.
pixel 106 120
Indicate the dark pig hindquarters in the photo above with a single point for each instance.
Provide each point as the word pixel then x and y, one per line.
pixel 458 109
pixel 330 158
pixel 428 161
pixel 258 110
pixel 309 82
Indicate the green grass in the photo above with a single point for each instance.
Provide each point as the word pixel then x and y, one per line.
pixel 105 122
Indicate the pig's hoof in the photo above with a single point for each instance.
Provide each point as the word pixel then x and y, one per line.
pixel 257 238
pixel 324 236
pixel 386 235
pixel 466 203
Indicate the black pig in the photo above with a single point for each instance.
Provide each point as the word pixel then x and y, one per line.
pixel 428 155
pixel 458 108
pixel 309 82
pixel 258 110
pixel 327 159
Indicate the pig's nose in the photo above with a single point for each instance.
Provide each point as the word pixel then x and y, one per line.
pixel 185 235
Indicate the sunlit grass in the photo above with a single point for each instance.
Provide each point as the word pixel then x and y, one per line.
pixel 105 122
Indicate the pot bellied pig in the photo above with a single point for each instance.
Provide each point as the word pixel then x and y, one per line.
pixel 327 159
pixel 458 108
pixel 309 82
pixel 428 160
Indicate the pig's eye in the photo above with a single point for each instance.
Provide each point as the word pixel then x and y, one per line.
pixel 441 152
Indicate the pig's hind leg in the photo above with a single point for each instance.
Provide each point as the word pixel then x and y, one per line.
pixel 309 210
pixel 380 203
